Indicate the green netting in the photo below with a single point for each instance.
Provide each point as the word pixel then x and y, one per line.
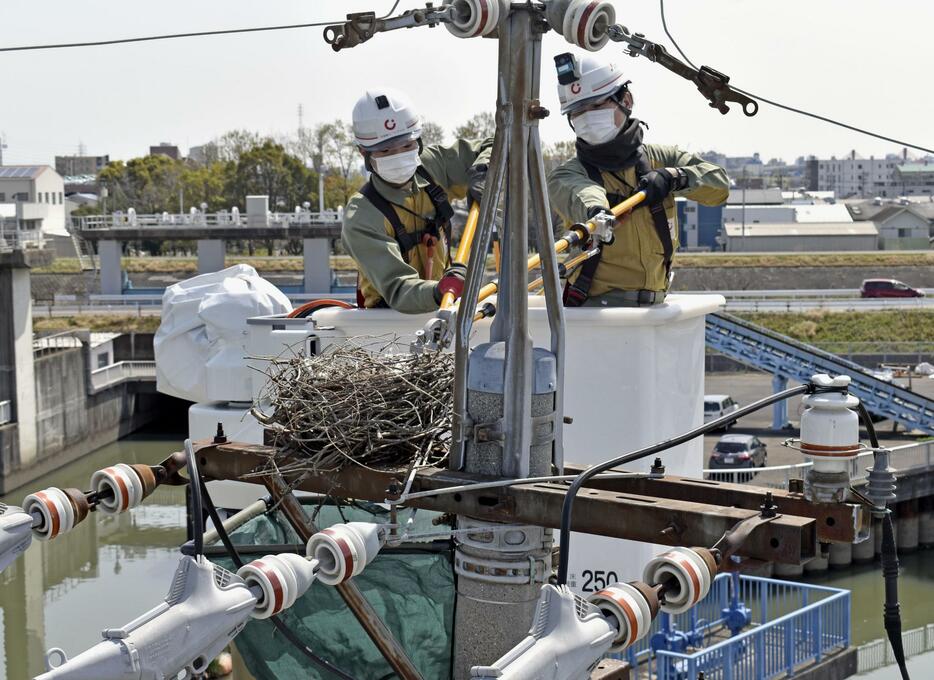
pixel 411 588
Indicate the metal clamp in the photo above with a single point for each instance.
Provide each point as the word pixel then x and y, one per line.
pixel 361 26
pixel 437 334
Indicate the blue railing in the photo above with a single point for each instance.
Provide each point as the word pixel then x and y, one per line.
pixel 793 625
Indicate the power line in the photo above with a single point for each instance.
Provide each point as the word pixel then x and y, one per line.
pixel 173 36
pixel 792 108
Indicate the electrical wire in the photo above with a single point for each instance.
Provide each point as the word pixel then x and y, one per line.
pixel 173 36
pixel 238 561
pixel 582 478
pixel 786 107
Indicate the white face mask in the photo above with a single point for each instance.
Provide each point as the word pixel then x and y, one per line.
pixel 398 168
pixel 597 126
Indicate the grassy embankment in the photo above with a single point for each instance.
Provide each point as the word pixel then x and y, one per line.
pixel 160 265
pixel 835 331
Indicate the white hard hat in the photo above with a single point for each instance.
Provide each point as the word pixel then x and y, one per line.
pixel 384 118
pixel 596 79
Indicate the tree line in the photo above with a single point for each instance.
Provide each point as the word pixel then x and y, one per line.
pixel 284 168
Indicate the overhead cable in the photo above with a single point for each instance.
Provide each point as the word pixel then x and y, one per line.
pixel 172 36
pixel 792 108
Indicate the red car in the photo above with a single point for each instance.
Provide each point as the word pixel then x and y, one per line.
pixel 887 288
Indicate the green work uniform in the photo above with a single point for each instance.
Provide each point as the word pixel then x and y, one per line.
pixel 635 260
pixel 385 276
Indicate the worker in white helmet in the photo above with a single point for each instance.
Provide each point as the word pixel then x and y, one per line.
pixel 611 164
pixel 398 227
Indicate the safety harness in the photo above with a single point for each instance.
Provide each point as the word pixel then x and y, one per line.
pixel 408 241
pixel 576 294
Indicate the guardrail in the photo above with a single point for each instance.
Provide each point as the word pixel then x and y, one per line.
pixel 6 411
pixel 120 372
pixel 831 304
pixel 63 340
pixel 878 653
pixel 186 220
pixel 12 238
pixel 904 458
pixel 791 293
pixel 782 642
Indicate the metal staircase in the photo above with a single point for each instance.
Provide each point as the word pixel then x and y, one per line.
pixel 787 359
pixel 84 252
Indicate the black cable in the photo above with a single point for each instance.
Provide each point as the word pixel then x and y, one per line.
pixel 891 609
pixel 197 507
pixel 172 36
pixel 791 108
pixel 324 664
pixel 581 479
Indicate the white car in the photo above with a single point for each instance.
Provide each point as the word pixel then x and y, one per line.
pixel 717 406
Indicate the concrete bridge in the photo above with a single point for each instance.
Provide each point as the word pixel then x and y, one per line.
pixel 211 232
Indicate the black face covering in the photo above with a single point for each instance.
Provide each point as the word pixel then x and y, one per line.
pixel 616 154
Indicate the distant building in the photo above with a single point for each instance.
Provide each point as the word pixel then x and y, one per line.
pixel 165 149
pixel 803 238
pixel 777 214
pixel 32 199
pixel 771 196
pixel 914 179
pixel 902 226
pixel 80 165
pixel 700 225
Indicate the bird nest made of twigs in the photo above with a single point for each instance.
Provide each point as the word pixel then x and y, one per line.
pixel 362 402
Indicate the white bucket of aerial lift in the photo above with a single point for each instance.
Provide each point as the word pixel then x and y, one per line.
pixel 282 578
pixel 15 533
pixel 631 610
pixel 475 18
pixel 127 488
pixel 830 426
pixel 55 511
pixel 568 637
pixel 344 550
pixel 632 377
pixel 582 22
pixel 201 343
pixel 686 568
pixel 205 609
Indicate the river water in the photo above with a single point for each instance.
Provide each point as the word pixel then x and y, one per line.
pixel 109 570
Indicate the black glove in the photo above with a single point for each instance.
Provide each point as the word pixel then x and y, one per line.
pixel 451 282
pixel 476 182
pixel 657 184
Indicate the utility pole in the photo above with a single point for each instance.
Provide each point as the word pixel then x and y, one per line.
pixel 2 147
pixel 744 208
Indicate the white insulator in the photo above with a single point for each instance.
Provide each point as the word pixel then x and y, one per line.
pixel 282 578
pixel 344 550
pixel 474 18
pixel 630 609
pixel 126 485
pixel 55 510
pixel 586 22
pixel 830 426
pixel 689 575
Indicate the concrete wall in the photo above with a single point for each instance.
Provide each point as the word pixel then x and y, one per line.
pixel 69 422
pixel 801 244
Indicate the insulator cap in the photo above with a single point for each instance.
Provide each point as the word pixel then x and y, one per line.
pixel 582 22
pixel 125 484
pixel 687 574
pixel 475 18
pixel 56 512
pixel 282 578
pixel 344 550
pixel 633 605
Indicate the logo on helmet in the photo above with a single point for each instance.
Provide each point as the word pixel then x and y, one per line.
pixel 390 124
pixel 575 88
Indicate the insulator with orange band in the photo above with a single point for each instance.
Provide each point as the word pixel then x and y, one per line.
pixel 56 511
pixel 685 573
pixel 634 605
pixel 281 578
pixel 121 487
pixel 344 550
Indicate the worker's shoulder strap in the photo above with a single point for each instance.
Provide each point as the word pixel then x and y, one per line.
pixel 575 294
pixel 405 240
pixel 438 197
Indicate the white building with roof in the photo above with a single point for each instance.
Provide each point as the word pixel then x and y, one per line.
pixel 800 237
pixel 32 200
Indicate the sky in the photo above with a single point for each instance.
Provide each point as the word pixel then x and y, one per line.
pixel 843 59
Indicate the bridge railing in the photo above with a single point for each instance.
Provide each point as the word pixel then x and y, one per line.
pixel 186 220
pixel 878 653
pixel 6 411
pixel 816 623
pixel 108 376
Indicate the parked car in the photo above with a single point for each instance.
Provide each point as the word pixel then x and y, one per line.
pixel 737 452
pixel 717 406
pixel 888 288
